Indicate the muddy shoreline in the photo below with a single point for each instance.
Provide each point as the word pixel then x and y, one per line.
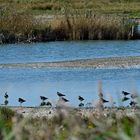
pixel 110 62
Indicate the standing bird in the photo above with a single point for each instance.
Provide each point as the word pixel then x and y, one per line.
pixel 43 98
pixel 65 100
pixel 81 105
pixel 104 101
pixel 81 98
pixel 49 104
pixel 6 98
pixel 125 93
pixel 60 94
pixel 6 102
pixel 20 100
pixel 43 103
pixel 133 103
pixel 125 99
pixel 6 95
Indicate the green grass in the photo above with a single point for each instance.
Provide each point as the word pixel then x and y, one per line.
pixel 128 7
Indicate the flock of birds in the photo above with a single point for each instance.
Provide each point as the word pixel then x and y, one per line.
pixel 61 96
pixel 132 98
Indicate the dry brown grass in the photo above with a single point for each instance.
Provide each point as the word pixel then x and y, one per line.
pixel 90 27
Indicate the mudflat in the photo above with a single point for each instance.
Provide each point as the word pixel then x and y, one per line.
pixel 121 62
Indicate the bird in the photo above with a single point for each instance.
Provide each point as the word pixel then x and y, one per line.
pixel 125 93
pixel 65 100
pixel 60 94
pixel 125 99
pixel 43 98
pixel 104 101
pixel 81 105
pixel 133 103
pixel 49 104
pixel 20 100
pixel 81 98
pixel 43 103
pixel 6 95
pixel 6 102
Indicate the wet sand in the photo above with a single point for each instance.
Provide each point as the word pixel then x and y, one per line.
pixel 120 62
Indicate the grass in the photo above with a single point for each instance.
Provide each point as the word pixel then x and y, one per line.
pixel 129 7
pixel 73 20
pixel 69 124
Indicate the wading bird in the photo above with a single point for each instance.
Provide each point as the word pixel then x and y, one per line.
pixel 60 94
pixel 20 100
pixel 65 100
pixel 49 104
pixel 104 101
pixel 81 105
pixel 133 103
pixel 6 98
pixel 6 102
pixel 125 99
pixel 80 98
pixel 6 95
pixel 125 93
pixel 43 98
pixel 43 103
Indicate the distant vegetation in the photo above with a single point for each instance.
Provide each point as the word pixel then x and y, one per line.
pixel 128 7
pixel 28 20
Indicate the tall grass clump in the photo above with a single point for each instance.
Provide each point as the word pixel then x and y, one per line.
pixel 17 23
pixel 14 26
pixel 92 27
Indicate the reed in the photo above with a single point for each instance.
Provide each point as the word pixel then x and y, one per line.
pixel 17 23
pixel 89 26
pixel 73 24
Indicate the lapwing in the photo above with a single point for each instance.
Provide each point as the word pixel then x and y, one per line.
pixel 20 100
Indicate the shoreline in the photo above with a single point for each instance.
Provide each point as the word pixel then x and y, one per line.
pixel 110 62
pixel 38 112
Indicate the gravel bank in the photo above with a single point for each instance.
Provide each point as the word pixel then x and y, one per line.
pixel 36 112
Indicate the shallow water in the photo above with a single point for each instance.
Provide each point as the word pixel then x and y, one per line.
pixel 30 83
pixel 56 51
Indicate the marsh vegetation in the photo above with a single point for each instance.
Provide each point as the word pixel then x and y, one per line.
pixel 66 20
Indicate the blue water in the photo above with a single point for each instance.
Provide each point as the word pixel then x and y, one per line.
pixel 56 51
pixel 30 83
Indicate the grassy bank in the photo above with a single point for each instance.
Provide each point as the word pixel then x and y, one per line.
pixel 130 8
pixel 71 124
pixel 71 20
